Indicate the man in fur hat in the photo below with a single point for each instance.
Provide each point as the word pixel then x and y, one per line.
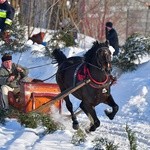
pixel 10 76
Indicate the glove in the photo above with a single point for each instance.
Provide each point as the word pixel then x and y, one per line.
pixel 6 36
pixel 113 79
pixel 107 42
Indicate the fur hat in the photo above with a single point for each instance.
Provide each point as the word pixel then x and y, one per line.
pixel 109 24
pixel 6 57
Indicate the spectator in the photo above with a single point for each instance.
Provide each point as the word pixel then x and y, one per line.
pixel 10 76
pixel 112 37
pixel 6 16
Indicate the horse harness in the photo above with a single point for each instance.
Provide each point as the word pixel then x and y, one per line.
pixel 82 73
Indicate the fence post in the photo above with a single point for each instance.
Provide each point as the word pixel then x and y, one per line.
pixel 147 16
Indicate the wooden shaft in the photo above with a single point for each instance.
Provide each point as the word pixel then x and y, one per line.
pixel 62 95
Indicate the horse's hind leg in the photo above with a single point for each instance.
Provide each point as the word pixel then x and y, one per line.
pixel 90 112
pixel 111 114
pixel 69 106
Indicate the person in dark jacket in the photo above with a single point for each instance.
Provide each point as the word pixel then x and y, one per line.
pixel 7 13
pixel 112 37
pixel 10 76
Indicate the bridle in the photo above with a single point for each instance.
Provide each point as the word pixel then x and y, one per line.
pixel 105 62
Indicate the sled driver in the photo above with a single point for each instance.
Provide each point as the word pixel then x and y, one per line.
pixel 10 76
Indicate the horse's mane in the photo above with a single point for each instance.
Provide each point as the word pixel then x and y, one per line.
pixel 58 56
pixel 91 52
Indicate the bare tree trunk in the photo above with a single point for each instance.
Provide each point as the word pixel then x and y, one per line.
pixel 127 25
pixel 15 3
pixel 86 16
pixel 29 17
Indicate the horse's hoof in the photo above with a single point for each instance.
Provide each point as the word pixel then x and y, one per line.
pixel 87 130
pixel 92 128
pixel 75 125
pixel 109 115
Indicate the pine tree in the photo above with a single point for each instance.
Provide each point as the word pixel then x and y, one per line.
pixel 135 47
pixel 132 138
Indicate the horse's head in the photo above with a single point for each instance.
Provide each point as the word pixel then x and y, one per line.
pixel 99 55
pixel 103 58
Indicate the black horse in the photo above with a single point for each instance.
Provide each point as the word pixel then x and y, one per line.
pixel 96 66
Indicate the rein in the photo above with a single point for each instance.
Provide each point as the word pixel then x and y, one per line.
pixel 39 66
pixel 59 71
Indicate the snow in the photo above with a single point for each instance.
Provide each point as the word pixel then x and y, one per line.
pixel 131 93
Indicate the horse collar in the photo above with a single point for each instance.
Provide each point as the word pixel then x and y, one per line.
pixel 82 72
pixel 97 82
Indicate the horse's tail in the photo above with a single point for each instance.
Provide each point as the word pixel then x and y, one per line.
pixel 59 56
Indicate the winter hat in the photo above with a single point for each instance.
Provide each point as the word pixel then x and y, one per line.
pixel 6 57
pixel 109 24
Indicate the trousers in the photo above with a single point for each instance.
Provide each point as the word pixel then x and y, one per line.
pixel 4 100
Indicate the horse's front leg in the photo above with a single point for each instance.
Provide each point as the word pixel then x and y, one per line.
pixel 111 114
pixel 69 106
pixel 91 113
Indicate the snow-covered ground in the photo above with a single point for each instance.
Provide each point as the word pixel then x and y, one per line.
pixel 131 93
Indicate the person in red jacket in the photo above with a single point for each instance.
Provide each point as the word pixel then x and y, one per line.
pixel 7 13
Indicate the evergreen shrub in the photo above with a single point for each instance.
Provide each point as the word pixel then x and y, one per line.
pixel 135 47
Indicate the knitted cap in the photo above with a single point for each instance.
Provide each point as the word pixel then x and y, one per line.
pixel 109 24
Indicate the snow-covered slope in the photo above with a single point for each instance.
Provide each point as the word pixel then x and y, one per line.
pixel 131 93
